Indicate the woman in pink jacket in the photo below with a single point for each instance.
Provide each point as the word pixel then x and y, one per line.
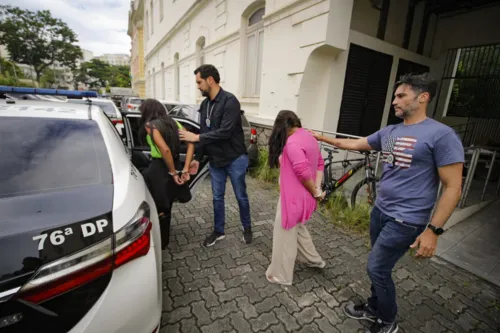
pixel 295 151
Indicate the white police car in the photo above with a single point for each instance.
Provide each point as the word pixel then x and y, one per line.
pixel 79 234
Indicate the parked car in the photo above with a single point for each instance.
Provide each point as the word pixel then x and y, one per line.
pixel 131 103
pixel 79 232
pixel 190 111
pixel 109 108
pixel 169 105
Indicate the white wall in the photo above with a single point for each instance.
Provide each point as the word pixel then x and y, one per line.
pixel 293 29
pixel 222 47
pixel 173 11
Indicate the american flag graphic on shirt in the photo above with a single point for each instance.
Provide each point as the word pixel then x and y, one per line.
pixel 401 148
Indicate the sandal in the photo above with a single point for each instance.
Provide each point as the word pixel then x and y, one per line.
pixel 272 279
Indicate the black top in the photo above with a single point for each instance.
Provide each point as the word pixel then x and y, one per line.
pixel 223 141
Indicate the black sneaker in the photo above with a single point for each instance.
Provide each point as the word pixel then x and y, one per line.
pixel 247 235
pixel 213 238
pixel 380 327
pixel 359 312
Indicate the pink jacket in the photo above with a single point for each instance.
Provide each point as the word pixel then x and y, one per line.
pixel 301 159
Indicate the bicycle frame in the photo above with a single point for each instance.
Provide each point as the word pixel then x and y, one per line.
pixel 331 185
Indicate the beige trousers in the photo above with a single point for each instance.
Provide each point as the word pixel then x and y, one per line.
pixel 288 246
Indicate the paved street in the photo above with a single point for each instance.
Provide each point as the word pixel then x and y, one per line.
pixel 223 288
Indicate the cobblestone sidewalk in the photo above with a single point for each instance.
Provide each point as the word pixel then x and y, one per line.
pixel 223 288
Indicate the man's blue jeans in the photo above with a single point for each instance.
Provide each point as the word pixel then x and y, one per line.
pixel 390 240
pixel 236 172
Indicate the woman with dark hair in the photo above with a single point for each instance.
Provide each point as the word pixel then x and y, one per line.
pixel 295 151
pixel 161 133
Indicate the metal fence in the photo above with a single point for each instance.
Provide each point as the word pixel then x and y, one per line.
pixel 479 154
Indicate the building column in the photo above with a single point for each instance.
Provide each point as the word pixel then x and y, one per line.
pixel 320 92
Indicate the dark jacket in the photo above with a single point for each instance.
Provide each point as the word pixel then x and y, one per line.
pixel 224 140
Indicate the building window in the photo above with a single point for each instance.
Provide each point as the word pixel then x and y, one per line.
pixel 177 79
pixel 161 10
pixel 200 51
pixel 254 50
pixel 152 18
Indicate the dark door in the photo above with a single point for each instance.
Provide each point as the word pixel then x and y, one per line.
pixel 405 67
pixel 365 90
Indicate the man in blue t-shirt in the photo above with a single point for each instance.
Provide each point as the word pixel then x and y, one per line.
pixel 417 154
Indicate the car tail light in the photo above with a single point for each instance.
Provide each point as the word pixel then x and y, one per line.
pixel 117 121
pixel 253 136
pixel 58 277
pixel 130 106
pixel 134 239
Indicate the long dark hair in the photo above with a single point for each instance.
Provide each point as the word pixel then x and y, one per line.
pixel 285 121
pixel 155 113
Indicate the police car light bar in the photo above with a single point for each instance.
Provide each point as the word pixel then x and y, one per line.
pixel 42 91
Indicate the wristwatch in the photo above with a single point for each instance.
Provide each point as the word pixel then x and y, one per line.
pixel 437 230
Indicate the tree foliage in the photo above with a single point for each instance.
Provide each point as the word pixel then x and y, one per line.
pixel 99 74
pixel 38 39
pixel 10 69
pixel 54 78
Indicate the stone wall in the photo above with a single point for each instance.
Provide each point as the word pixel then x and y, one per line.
pixel 263 134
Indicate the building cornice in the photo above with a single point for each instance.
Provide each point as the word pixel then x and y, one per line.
pixel 135 17
pixel 297 3
pixel 184 19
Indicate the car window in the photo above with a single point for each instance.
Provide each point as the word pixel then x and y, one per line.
pixel 44 155
pixel 107 107
pixel 115 131
pixel 189 127
pixel 135 101
pixel 244 121
pixel 169 107
pixel 186 111
pixel 135 128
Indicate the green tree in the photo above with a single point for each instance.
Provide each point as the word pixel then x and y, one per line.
pixel 53 78
pixel 38 39
pixel 9 68
pixel 99 74
pixel 95 73
pixel 120 77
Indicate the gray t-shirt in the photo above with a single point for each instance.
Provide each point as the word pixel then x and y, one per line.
pixel 412 155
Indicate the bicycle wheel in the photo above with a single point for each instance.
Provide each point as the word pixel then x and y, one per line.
pixel 327 176
pixel 369 197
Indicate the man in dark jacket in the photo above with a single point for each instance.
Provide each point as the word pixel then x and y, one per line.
pixel 222 139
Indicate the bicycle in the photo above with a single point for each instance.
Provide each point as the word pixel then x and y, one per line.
pixel 331 184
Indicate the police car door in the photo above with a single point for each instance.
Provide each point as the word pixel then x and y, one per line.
pixel 141 154
pixel 194 127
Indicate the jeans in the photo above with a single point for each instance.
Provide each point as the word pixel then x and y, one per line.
pixel 389 240
pixel 236 171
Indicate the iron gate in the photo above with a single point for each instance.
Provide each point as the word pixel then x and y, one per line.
pixel 475 93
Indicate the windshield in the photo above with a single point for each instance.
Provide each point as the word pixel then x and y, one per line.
pixel 107 107
pixel 44 155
